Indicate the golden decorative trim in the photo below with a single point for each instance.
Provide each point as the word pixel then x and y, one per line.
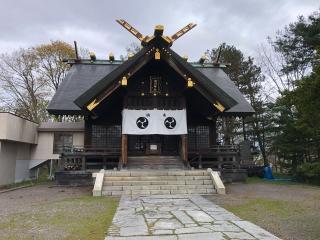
pixel 157 55
pixel 111 57
pixel 124 81
pixel 189 83
pixel 92 105
pixel 219 106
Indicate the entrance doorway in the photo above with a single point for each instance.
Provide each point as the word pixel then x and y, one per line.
pixel 153 145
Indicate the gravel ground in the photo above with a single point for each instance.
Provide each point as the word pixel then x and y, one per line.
pixel 289 211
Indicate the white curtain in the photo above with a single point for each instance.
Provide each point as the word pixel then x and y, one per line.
pixel 145 122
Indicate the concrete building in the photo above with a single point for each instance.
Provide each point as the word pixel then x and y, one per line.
pixel 24 145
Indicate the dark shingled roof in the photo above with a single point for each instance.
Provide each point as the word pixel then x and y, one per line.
pixel 79 79
pixel 83 76
pixel 221 79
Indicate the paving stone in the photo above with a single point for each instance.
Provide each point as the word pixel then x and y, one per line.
pixel 134 231
pixel 167 224
pixel 182 217
pixel 192 230
pixel 201 236
pixel 143 238
pixel 239 235
pixel 157 214
pixel 162 232
pixel 226 227
pixel 256 231
pixel 200 216
pixel 225 216
pixel 167 217
pixel 191 225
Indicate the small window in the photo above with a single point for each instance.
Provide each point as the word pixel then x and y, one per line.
pixel 62 142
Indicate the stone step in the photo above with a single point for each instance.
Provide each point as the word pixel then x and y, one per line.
pixel 155 162
pixel 157 187
pixel 153 157
pixel 158 192
pixel 138 173
pixel 146 178
pixel 157 182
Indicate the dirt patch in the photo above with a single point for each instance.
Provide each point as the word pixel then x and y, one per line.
pixel 289 211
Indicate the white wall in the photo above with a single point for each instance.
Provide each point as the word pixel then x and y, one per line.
pixel 10 153
pixel 13 128
pixel 21 144
pixel 44 149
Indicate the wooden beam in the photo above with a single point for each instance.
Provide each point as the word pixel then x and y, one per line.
pixel 213 132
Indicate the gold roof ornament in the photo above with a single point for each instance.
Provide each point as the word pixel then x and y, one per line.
pixel 190 83
pixel 130 55
pixel 92 56
pixel 185 57
pixel 124 81
pixel 93 105
pixel 157 54
pixel 158 32
pixel 203 59
pixel 219 106
pixel 111 57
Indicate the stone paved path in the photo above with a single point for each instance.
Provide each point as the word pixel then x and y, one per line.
pixel 173 217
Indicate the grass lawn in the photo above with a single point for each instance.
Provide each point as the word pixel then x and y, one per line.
pixel 83 217
pixel 289 210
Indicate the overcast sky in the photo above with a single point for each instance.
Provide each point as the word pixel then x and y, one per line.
pixel 243 23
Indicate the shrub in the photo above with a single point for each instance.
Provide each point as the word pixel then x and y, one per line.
pixel 309 172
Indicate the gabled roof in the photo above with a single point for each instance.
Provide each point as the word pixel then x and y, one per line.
pixel 221 79
pixel 79 79
pixel 86 81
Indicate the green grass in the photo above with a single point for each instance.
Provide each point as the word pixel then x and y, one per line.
pixel 27 183
pixel 84 218
pixel 253 180
pixel 281 217
pixel 255 208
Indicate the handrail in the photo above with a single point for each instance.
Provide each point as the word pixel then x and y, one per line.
pixel 88 149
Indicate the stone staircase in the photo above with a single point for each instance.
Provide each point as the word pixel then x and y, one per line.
pixel 155 162
pixel 157 182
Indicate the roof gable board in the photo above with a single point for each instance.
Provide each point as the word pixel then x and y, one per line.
pixel 85 82
pixel 206 87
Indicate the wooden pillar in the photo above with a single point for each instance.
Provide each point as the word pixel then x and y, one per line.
pixel 83 163
pixel 61 163
pixel 87 131
pixel 104 163
pixel 124 149
pixel 213 132
pixel 184 147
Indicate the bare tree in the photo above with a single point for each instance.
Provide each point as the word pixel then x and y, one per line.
pixel 24 88
pixel 30 77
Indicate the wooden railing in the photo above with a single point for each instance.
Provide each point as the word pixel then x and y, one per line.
pixel 75 157
pixel 218 156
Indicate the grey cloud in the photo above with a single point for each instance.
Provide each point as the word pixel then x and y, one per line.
pixel 244 23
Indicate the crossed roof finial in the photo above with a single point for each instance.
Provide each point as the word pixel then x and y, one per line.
pixel 158 32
